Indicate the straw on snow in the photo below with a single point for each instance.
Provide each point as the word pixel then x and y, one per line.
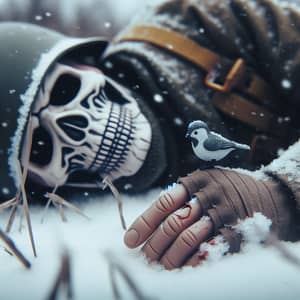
pixel 63 279
pixel 108 183
pixel 26 209
pixel 59 202
pixel 13 212
pixel 14 250
pixel 114 267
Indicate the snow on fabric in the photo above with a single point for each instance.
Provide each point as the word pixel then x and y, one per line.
pixel 286 164
pixel 257 273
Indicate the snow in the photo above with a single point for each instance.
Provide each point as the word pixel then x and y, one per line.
pixel 286 163
pixel 256 273
pixel 286 84
pixel 256 229
pixel 158 98
pixel 217 250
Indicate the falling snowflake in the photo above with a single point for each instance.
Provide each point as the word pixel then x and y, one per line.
pixel 109 65
pixel 158 98
pixel 38 18
pixel 178 121
pixel 128 186
pixel 5 191
pixel 286 84
pixel 107 24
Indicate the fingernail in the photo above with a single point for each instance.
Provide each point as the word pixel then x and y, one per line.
pixel 184 212
pixel 131 238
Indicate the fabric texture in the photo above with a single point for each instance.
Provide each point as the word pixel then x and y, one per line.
pixel 265 33
pixel 227 196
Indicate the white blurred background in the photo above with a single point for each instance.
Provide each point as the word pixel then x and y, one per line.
pixel 73 17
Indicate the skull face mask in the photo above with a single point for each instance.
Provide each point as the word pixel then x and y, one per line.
pixel 85 122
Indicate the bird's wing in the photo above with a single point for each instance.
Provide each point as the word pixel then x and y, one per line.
pixel 217 142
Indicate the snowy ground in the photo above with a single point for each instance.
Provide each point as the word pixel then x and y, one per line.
pixel 256 273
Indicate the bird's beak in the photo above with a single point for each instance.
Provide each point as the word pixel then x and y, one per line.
pixel 188 135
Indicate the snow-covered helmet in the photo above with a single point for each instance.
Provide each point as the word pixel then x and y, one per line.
pixel 27 52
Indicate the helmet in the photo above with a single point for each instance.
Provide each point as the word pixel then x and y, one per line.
pixel 27 52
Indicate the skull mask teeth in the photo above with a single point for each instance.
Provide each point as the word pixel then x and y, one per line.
pixel 84 121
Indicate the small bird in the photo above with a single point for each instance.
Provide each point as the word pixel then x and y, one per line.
pixel 208 145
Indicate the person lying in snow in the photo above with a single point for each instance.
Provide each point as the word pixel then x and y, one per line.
pixel 90 110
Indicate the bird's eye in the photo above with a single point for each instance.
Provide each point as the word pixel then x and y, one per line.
pixel 196 132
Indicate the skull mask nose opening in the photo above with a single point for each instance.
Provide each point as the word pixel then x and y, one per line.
pixel 72 126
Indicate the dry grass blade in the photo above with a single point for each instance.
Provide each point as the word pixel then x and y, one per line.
pixel 13 213
pixel 12 247
pixel 21 221
pixel 16 201
pixel 108 182
pixel 8 204
pixel 45 210
pixel 28 139
pixel 8 252
pixel 117 267
pixel 63 279
pixel 26 208
pixel 62 213
pixel 47 205
pixel 284 251
pixel 82 185
pixel 113 281
pixel 61 201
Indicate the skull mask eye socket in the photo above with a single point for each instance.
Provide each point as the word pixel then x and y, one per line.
pixel 64 90
pixel 109 92
pixel 42 149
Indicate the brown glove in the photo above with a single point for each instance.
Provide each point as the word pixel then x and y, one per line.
pixel 227 196
pixel 172 228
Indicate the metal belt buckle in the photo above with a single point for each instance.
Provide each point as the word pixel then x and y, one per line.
pixel 233 77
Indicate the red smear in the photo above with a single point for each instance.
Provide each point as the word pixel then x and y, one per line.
pixel 212 242
pixel 202 255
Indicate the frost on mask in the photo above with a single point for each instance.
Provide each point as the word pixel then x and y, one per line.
pixel 85 122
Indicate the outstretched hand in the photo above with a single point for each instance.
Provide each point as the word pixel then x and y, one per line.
pixel 171 228
pixel 202 206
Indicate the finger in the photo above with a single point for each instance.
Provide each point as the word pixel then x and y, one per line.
pixel 187 242
pixel 170 229
pixel 144 225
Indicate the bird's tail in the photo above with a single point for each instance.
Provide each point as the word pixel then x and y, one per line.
pixel 242 146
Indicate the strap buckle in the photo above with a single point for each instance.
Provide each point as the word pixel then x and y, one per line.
pixel 233 77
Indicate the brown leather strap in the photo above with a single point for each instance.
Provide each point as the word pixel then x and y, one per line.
pixel 174 42
pixel 203 58
pixel 240 78
pixel 254 115
pixel 245 111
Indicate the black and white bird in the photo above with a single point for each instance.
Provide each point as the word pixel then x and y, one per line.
pixel 208 145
